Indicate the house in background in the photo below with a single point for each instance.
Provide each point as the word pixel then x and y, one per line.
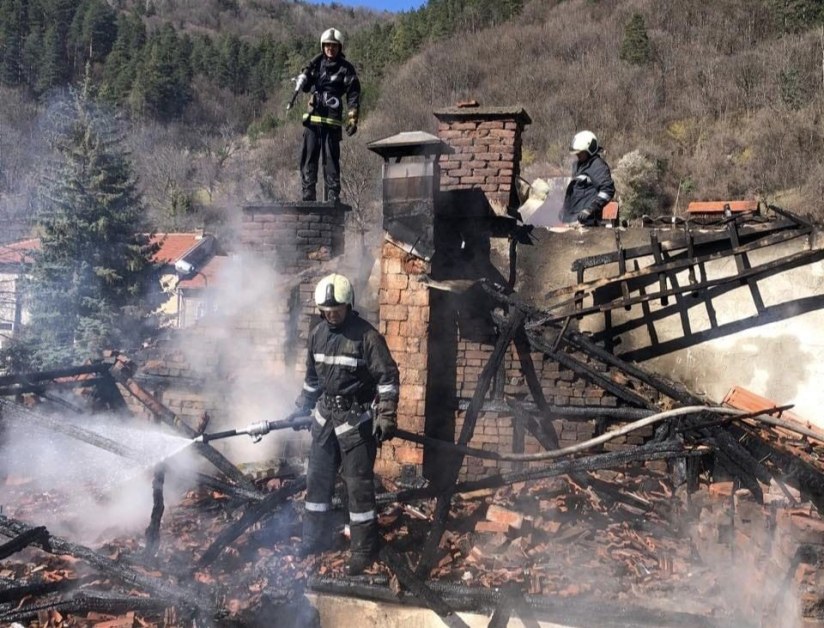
pixel 187 266
pixel 13 257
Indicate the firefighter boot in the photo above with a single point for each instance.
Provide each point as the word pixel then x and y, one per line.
pixel 364 547
pixel 358 563
pixel 317 533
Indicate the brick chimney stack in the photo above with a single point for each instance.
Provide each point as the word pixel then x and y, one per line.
pixel 487 145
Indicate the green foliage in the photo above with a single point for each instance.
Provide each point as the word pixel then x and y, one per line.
pixel 383 44
pixel 635 47
pixel 793 16
pixel 793 90
pixel 12 35
pixel 162 86
pixel 87 285
pixel 638 182
pixel 93 30
pixel 267 125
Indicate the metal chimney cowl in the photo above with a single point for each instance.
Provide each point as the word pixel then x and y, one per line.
pixel 410 183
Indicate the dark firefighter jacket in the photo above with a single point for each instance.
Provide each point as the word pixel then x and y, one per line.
pixel 331 81
pixel 350 361
pixel 591 188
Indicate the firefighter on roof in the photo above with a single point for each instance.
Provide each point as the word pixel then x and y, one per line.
pixel 591 186
pixel 334 86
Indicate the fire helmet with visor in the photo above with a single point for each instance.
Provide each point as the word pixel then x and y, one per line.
pixel 331 36
pixel 584 142
pixel 333 291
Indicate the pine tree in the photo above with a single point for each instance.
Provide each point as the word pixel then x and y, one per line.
pixel 635 48
pixel 162 86
pixel 87 285
pixel 12 35
pixel 120 69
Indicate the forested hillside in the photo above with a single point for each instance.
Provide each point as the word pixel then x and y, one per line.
pixel 692 99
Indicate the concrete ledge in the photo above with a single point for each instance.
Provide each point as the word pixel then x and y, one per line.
pixel 344 612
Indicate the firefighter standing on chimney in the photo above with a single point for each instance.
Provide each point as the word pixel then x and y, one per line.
pixel 333 83
pixel 352 383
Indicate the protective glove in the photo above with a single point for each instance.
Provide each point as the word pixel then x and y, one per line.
pixel 303 405
pixel 301 410
pixel 384 428
pixel 584 216
pixel 300 81
pixel 351 126
pixel 385 423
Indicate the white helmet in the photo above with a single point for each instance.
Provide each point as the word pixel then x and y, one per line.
pixel 584 142
pixel 331 36
pixel 333 291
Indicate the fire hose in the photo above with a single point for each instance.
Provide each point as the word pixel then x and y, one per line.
pixel 300 421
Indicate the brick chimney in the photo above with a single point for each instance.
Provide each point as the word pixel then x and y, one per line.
pixel 487 145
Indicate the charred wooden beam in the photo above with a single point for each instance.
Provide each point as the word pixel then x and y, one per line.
pixel 794 470
pixel 430 548
pixel 182 597
pixel 14 591
pixel 409 580
pixel 35 535
pixel 748 232
pixel 40 387
pixel 41 376
pixel 253 514
pixel 122 374
pixel 153 529
pixel 88 601
pixel 522 347
pixel 567 612
pixel 642 453
pixel 590 374
pixel 235 492
pixel 756 272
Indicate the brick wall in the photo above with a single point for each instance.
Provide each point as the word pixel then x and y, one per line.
pixel 487 151
pixel 404 321
pixel 291 238
pixel 561 387
pixel 204 368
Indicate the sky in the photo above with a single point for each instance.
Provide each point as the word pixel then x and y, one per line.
pixel 378 5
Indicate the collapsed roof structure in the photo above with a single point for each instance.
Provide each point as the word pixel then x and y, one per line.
pixel 593 423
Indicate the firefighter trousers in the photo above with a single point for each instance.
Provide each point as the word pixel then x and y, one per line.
pixel 320 139
pixel 353 452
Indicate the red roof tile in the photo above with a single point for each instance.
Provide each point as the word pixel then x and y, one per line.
pixel 18 252
pixel 716 207
pixel 173 246
pixel 206 276
pixel 610 211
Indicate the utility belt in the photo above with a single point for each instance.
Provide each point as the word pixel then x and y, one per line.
pixel 346 431
pixel 326 108
pixel 341 402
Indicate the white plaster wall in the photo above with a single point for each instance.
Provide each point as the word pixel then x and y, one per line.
pixel 782 360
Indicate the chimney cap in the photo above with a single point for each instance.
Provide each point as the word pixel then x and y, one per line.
pixel 408 144
pixel 450 114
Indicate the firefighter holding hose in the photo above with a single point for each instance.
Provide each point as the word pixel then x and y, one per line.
pixel 352 384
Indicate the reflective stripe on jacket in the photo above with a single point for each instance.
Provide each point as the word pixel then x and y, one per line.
pixel 352 361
